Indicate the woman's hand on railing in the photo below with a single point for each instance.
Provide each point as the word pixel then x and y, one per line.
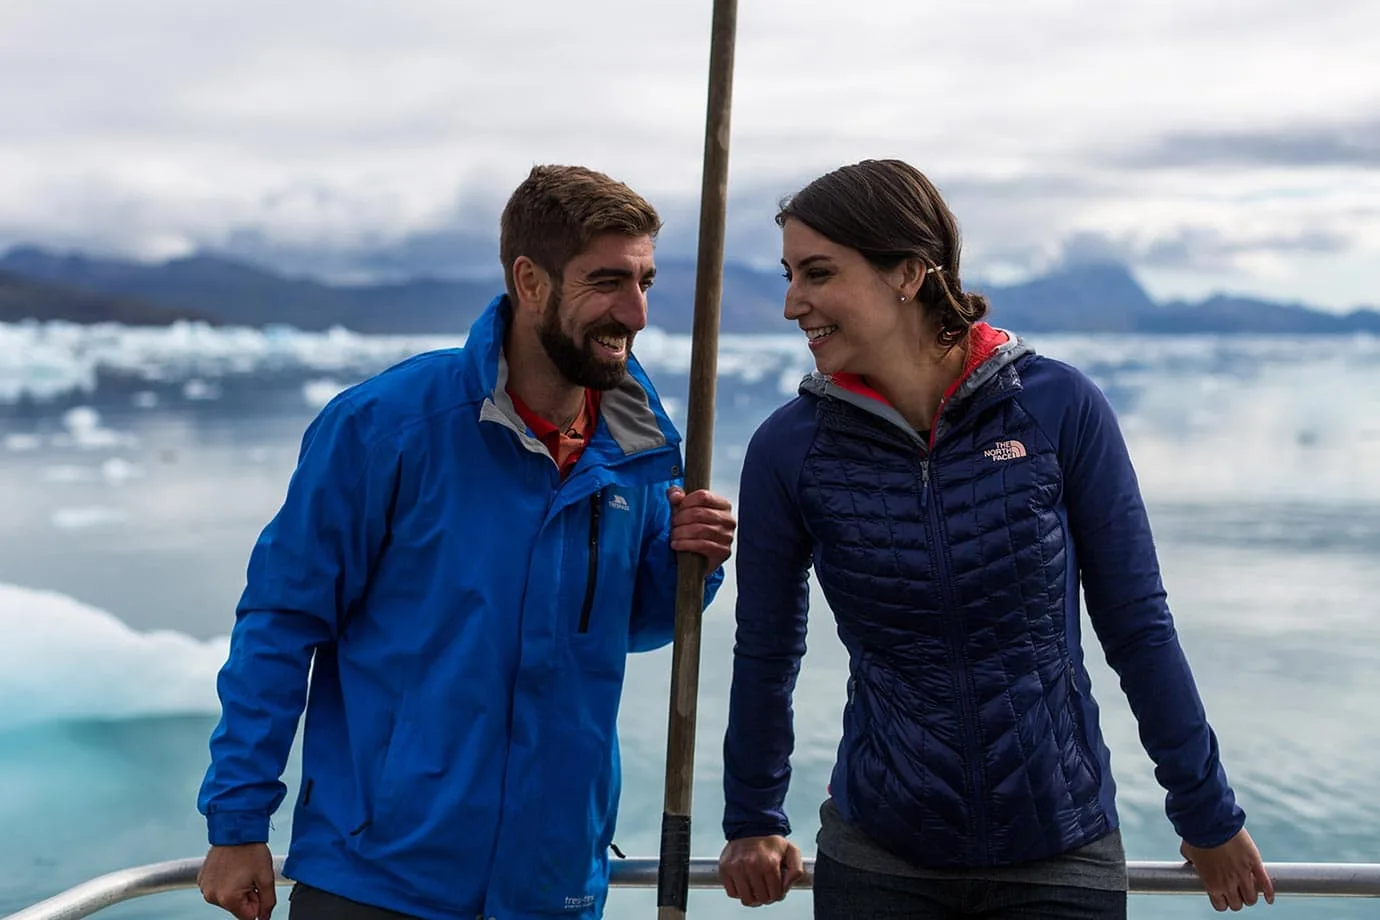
pixel 239 879
pixel 760 870
pixel 1233 873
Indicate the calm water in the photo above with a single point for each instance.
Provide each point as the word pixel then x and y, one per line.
pixel 139 467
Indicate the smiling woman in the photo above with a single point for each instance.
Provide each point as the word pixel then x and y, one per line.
pixel 950 489
pixel 877 290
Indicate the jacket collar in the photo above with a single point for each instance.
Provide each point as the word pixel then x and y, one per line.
pixel 990 351
pixel 631 413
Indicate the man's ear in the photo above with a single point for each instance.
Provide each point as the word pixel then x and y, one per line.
pixel 532 283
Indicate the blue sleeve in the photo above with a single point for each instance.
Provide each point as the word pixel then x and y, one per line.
pixel 773 561
pixel 1129 611
pixel 309 566
pixel 653 623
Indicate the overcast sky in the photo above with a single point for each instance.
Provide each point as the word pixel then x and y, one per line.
pixel 1223 145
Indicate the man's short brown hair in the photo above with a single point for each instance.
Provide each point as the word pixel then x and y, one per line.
pixel 558 210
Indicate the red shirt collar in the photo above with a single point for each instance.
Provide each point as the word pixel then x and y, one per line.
pixel 544 429
pixel 983 341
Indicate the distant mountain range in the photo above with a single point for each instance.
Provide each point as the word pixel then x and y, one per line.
pixel 39 284
pixel 23 298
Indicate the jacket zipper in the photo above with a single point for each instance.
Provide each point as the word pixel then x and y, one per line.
pixel 595 502
pixel 957 634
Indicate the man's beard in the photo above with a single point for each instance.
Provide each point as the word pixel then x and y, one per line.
pixel 577 361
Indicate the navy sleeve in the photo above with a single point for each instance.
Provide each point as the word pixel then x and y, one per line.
pixel 773 560
pixel 310 564
pixel 1128 608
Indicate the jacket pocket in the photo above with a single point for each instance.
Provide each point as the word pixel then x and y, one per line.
pixel 1081 742
pixel 592 578
pixel 396 807
pixel 571 825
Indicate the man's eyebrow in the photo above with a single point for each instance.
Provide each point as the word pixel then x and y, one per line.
pixel 600 274
pixel 615 274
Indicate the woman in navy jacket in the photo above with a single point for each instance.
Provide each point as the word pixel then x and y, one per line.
pixel 953 491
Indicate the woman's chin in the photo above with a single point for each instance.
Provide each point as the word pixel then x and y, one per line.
pixel 829 367
pixel 824 365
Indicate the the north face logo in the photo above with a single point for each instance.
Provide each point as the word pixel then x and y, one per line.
pixel 619 503
pixel 1005 450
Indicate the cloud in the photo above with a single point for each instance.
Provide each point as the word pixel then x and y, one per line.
pixel 1195 248
pixel 385 134
pixel 1205 248
pixel 1346 145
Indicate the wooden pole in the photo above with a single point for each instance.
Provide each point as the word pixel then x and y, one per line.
pixel 673 874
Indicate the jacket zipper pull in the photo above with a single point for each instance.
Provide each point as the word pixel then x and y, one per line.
pixel 924 480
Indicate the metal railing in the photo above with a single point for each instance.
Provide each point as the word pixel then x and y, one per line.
pixel 1317 879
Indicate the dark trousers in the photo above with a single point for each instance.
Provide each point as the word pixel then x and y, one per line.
pixel 310 903
pixel 844 893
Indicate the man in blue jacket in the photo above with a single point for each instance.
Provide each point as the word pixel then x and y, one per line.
pixel 472 543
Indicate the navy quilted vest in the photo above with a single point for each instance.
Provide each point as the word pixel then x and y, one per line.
pixel 947 572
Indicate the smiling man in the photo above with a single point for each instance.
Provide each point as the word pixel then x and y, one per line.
pixel 471 545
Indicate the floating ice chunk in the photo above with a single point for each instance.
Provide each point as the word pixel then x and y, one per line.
pixel 81 419
pixel 66 472
pixel 86 517
pixel 62 659
pixel 117 470
pixel 85 431
pixel 197 389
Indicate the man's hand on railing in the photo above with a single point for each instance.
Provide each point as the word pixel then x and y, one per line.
pixel 1232 873
pixel 239 879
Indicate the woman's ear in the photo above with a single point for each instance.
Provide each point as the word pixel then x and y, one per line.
pixel 910 276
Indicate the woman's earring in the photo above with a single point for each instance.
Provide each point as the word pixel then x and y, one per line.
pixel 903 298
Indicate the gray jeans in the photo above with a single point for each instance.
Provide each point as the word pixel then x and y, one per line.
pixel 845 893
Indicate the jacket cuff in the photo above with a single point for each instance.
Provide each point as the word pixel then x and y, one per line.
pixel 232 828
pixel 1208 832
pixel 757 829
pixel 1215 837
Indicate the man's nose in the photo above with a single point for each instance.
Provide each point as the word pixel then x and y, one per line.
pixel 631 310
